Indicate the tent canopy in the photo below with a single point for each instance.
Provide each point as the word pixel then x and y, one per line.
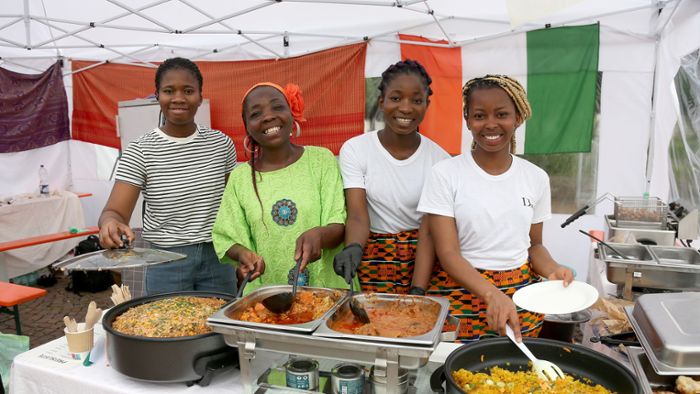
pixel 34 33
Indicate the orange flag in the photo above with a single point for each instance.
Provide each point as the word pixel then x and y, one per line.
pixel 443 121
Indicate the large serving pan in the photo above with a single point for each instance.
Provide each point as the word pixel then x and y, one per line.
pixel 231 313
pixel 192 359
pixel 395 301
pixel 576 360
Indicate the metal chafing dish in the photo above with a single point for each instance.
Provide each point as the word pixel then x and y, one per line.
pixel 669 255
pixel 668 327
pixel 426 339
pixel 648 378
pixel 654 233
pixel 640 267
pixel 230 313
pixel 386 356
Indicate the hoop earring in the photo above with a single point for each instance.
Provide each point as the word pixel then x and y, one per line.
pixel 298 128
pixel 247 144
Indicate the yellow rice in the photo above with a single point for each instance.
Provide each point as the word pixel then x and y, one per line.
pixel 504 381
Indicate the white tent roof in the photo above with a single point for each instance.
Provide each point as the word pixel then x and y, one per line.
pixel 33 33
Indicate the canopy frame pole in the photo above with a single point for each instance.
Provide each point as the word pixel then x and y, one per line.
pixel 142 15
pixel 224 24
pixel 115 17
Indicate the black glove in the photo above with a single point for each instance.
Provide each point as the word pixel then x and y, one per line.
pixel 415 290
pixel 346 262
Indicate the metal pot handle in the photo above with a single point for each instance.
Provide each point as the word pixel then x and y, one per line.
pixel 451 336
pixel 437 378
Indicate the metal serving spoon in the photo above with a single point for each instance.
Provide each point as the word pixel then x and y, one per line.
pixel 356 308
pixel 282 302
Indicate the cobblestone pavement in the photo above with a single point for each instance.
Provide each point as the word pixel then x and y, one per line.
pixel 42 318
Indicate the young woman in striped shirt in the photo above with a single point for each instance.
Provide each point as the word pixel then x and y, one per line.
pixel 181 168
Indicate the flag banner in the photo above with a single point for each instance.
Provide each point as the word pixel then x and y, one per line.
pixel 33 110
pixel 443 120
pixel 332 84
pixel 562 70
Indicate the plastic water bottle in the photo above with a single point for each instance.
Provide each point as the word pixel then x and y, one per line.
pixel 43 181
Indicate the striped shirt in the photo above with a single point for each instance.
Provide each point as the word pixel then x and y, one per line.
pixel 182 181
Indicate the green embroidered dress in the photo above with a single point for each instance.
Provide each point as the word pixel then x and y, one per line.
pixel 301 196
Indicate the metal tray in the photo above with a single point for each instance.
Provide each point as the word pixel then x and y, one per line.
pixel 644 270
pixel 429 338
pixel 669 331
pixel 227 314
pixel 673 255
pixel 648 378
pixel 653 233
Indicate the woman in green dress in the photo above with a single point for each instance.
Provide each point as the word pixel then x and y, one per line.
pixel 286 203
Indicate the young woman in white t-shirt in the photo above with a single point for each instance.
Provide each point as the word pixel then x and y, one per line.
pixel 383 173
pixel 486 208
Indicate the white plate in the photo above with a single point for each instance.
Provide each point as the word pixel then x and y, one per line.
pixel 552 298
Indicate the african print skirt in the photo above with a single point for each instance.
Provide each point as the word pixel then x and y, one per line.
pixel 387 263
pixel 471 310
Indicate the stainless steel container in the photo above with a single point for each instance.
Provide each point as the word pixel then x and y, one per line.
pixel 379 382
pixel 648 378
pixel 302 373
pixel 641 268
pixel 230 315
pixel 649 233
pixel 673 255
pixel 427 339
pixel 347 378
pixel 668 327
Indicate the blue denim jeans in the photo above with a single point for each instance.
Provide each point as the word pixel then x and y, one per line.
pixel 200 270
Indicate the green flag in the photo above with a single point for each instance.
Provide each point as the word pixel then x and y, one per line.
pixel 562 68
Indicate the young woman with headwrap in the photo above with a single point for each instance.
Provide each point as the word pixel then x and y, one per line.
pixel 285 203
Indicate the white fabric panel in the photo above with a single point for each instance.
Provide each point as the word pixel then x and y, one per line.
pixel 20 171
pixel 31 216
pixel 92 167
pixel 506 55
pixel 569 247
pixel 621 52
pixel 381 55
pixel 679 39
pixel 624 130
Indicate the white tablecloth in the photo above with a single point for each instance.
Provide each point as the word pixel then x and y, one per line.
pixel 29 216
pixel 49 369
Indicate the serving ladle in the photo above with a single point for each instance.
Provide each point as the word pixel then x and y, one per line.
pixel 356 308
pixel 282 302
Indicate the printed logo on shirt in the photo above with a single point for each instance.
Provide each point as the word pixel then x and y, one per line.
pixel 284 212
pixel 527 202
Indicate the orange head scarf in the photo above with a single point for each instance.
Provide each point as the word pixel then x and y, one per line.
pixel 291 92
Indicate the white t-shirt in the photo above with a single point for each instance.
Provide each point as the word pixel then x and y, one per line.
pixel 493 212
pixel 393 186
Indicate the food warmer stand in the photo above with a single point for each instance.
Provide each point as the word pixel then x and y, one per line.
pixel 317 340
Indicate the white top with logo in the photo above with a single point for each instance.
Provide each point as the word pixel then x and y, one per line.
pixel 493 212
pixel 393 186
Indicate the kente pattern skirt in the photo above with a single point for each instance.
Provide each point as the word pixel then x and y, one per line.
pixel 387 262
pixel 471 310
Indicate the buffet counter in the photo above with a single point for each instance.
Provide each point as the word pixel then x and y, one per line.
pixel 50 369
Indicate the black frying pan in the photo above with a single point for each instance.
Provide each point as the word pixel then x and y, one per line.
pixel 573 359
